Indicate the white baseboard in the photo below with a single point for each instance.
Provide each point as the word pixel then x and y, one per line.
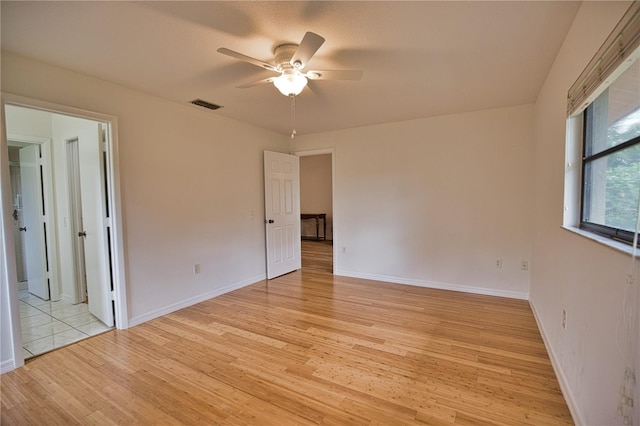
pixel 6 366
pixel 562 379
pixel 438 285
pixel 193 300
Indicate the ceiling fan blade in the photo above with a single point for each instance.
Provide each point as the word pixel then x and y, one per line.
pixel 246 58
pixel 354 75
pixel 256 83
pixel 309 45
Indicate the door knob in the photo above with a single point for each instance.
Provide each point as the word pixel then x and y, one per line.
pixel 24 229
pixel 270 221
pixel 82 234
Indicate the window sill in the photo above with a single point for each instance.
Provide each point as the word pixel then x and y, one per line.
pixel 609 242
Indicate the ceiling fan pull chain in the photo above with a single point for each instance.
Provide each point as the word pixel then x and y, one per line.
pixel 293 115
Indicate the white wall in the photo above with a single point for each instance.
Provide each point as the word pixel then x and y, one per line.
pixel 435 201
pixel 26 122
pixel 316 193
pixel 189 182
pixel 569 271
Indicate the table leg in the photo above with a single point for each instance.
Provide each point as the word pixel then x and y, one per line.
pixel 325 228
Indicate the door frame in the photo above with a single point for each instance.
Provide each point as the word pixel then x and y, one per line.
pixel 332 151
pixel 8 280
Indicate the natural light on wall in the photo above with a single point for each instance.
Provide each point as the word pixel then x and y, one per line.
pixel 602 178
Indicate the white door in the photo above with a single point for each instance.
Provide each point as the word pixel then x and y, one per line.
pixel 94 221
pixel 18 220
pixel 75 220
pixel 33 221
pixel 282 212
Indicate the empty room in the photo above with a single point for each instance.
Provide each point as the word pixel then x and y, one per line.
pixel 320 212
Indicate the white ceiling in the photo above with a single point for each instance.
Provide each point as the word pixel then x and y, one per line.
pixel 419 59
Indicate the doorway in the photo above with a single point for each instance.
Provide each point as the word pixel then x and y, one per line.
pixel 63 173
pixel 316 208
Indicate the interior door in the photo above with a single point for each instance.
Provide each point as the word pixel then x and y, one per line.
pixel 98 279
pixel 76 225
pixel 282 213
pixel 33 221
pixel 18 219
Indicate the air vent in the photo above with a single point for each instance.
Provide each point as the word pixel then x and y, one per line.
pixel 205 104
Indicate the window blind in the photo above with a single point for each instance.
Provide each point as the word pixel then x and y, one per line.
pixel 621 45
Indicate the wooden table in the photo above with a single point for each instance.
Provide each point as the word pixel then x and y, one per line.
pixel 317 217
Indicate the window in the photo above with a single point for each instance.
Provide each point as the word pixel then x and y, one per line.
pixel 611 158
pixel 602 156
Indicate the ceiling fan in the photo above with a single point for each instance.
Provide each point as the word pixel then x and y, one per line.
pixel 289 61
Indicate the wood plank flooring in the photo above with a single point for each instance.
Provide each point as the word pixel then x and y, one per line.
pixel 317 256
pixel 305 348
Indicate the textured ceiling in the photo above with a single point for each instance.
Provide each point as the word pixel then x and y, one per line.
pixel 419 59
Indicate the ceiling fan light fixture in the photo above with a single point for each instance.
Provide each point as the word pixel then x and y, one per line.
pixel 290 84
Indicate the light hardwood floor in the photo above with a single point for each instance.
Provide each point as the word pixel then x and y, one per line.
pixel 317 256
pixel 305 348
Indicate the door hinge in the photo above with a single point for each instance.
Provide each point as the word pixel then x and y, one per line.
pixel 113 295
pixel 107 222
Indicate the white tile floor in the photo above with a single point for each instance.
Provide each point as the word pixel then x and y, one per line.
pixel 49 325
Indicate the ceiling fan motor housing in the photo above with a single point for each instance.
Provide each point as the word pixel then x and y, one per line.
pixel 283 55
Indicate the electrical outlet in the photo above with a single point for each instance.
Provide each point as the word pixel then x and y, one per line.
pixel 344 250
pixel 524 265
pixel 196 268
pixel 564 319
pixel 498 263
